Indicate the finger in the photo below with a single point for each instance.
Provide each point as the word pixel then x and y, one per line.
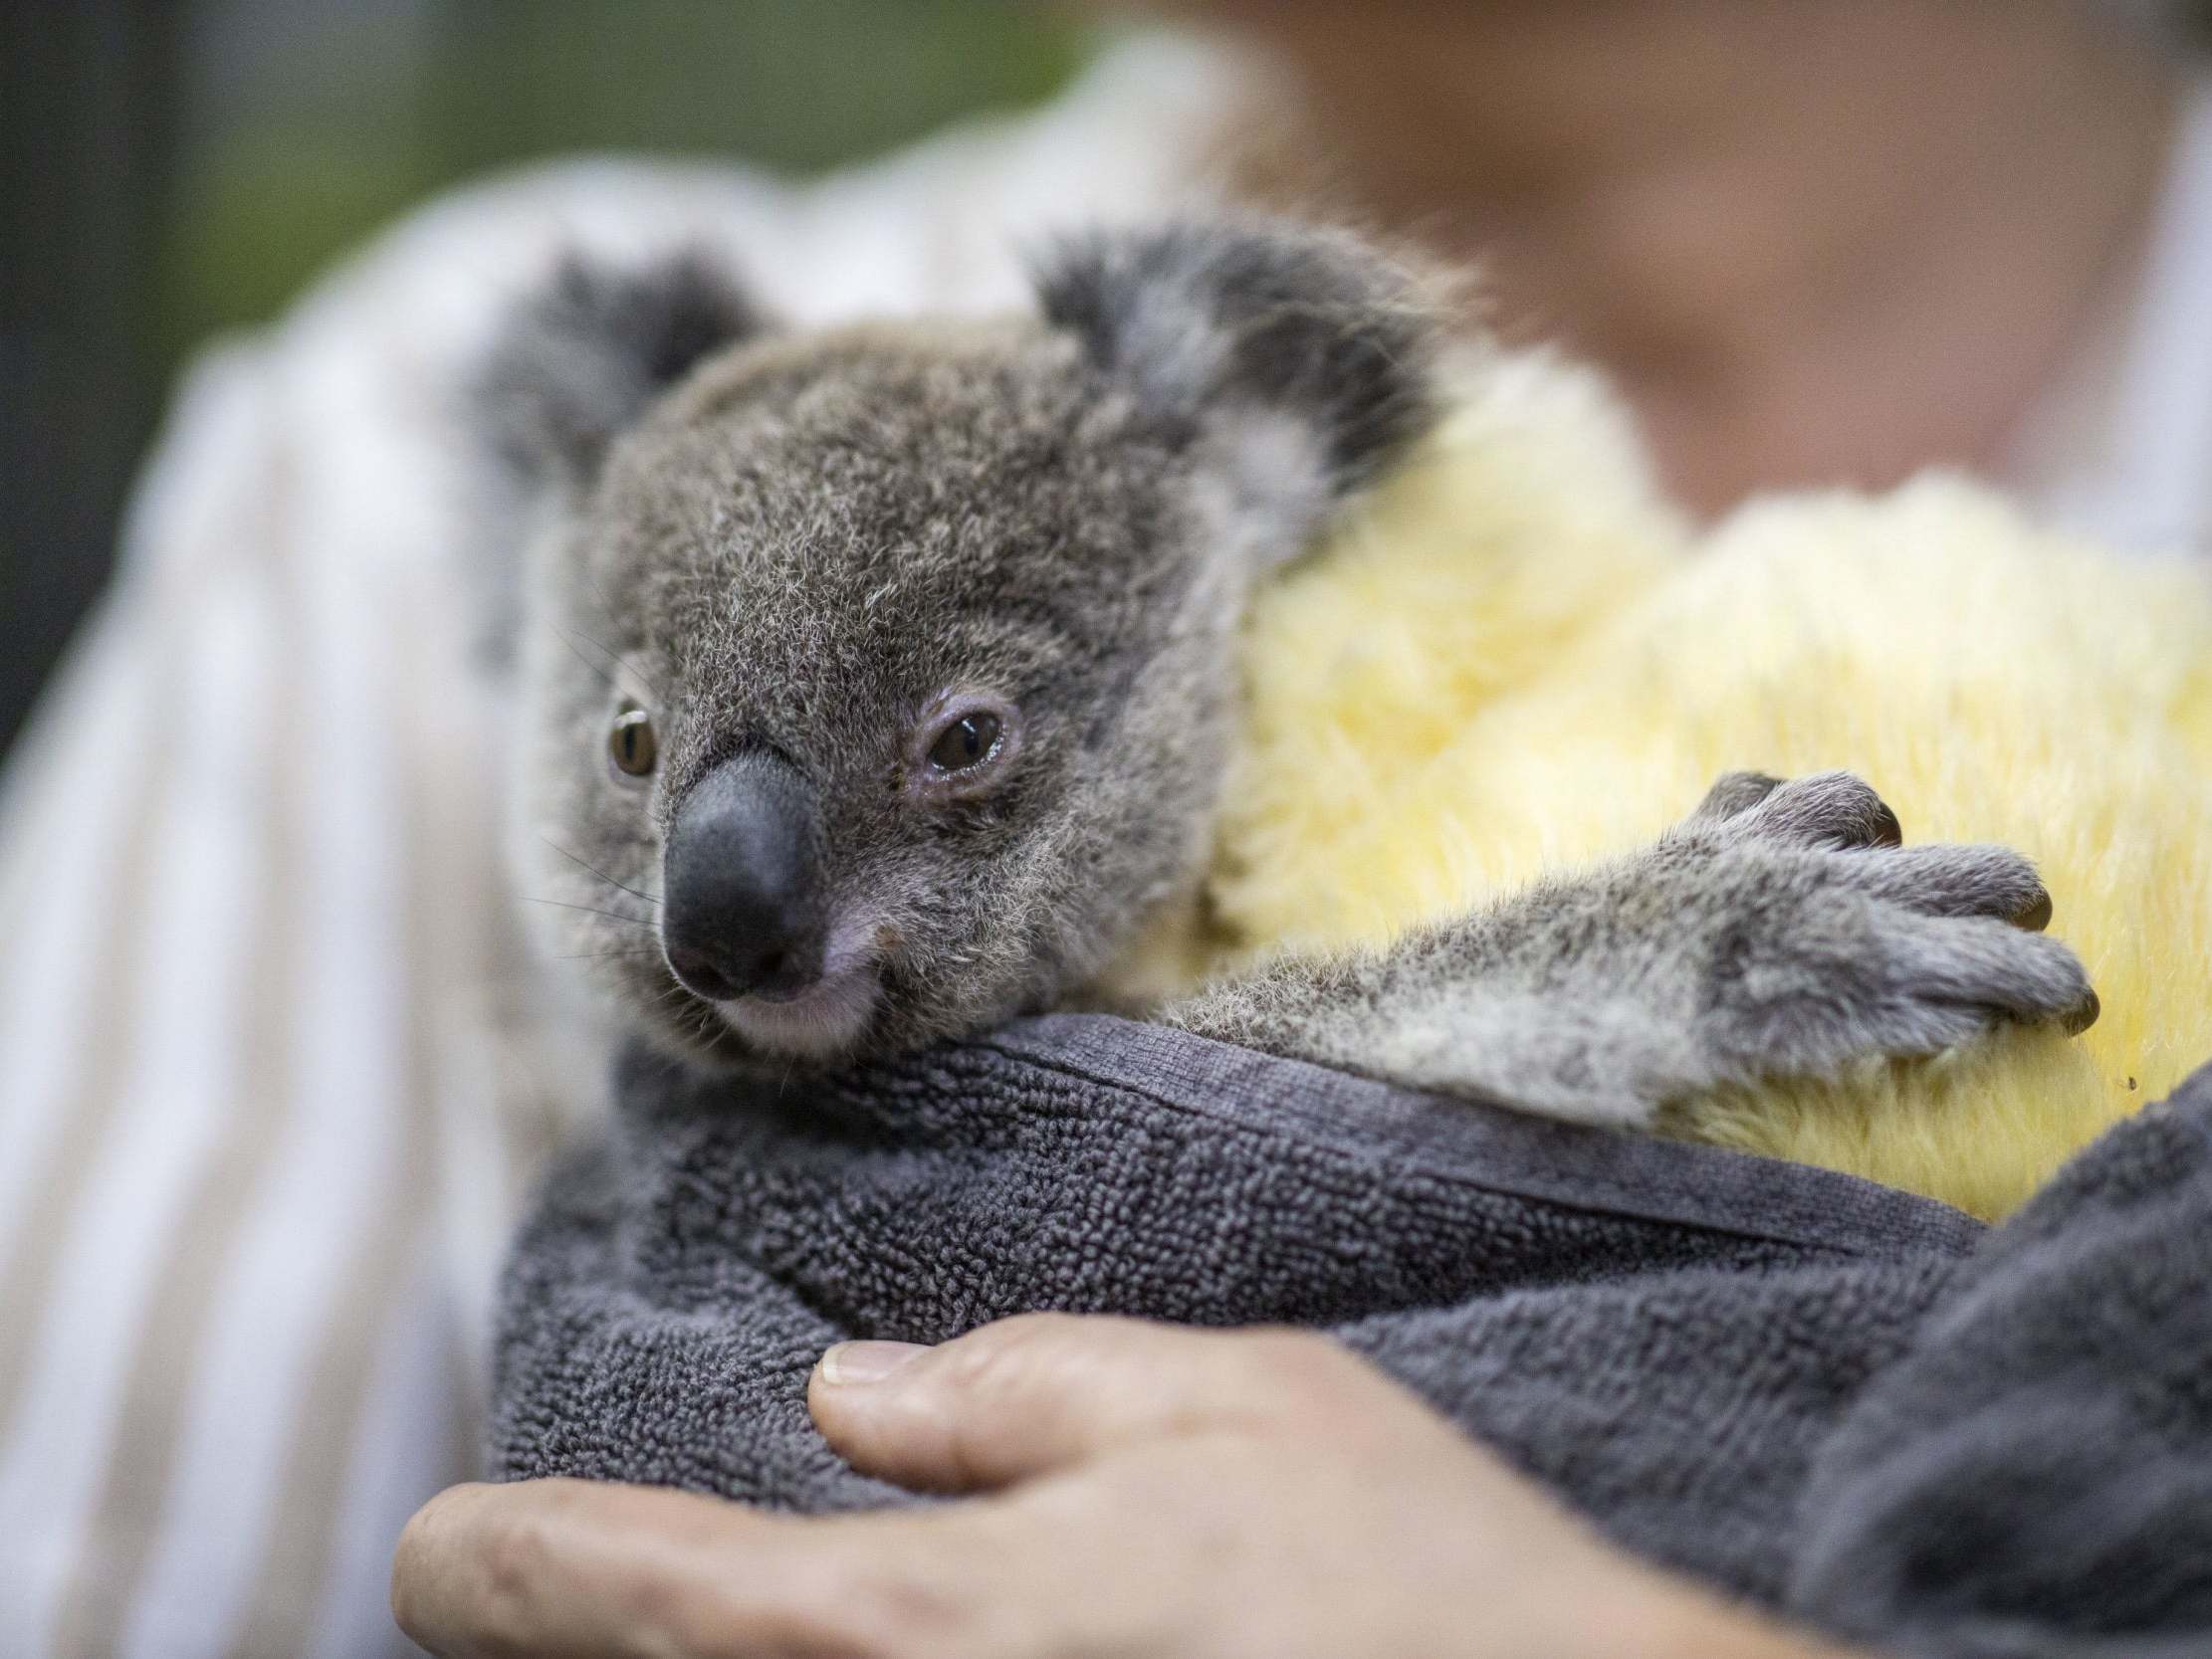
pixel 1994 881
pixel 579 1569
pixel 1031 1395
pixel 1827 809
pixel 555 1569
pixel 1976 963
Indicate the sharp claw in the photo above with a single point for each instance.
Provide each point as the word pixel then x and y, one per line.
pixel 2082 1015
pixel 2036 916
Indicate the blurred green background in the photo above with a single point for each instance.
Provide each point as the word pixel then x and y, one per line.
pixel 365 109
pixel 172 169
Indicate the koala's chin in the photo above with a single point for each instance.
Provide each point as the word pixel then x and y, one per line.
pixel 863 1006
pixel 845 1013
pixel 834 1022
pixel 828 1020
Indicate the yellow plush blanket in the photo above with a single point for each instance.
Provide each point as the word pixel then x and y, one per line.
pixel 1515 658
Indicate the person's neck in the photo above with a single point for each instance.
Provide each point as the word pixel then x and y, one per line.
pixel 1829 243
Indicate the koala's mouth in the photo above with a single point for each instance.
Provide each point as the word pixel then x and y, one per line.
pixel 818 1022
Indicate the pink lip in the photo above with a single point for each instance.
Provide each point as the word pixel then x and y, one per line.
pixel 819 1021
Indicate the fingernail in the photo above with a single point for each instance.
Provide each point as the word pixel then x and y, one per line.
pixel 850 1362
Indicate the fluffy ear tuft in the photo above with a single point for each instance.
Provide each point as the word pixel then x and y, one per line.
pixel 1260 325
pixel 583 359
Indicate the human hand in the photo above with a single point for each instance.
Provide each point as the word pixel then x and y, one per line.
pixel 1133 1489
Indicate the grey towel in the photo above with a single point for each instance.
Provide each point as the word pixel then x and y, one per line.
pixel 1814 1392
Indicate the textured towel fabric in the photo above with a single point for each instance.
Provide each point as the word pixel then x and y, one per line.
pixel 1815 1391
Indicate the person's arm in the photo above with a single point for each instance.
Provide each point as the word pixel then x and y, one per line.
pixel 1129 1488
pixel 215 1213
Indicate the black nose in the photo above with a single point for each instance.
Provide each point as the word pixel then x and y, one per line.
pixel 742 882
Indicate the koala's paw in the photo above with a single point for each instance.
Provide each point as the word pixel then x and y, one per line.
pixel 1831 941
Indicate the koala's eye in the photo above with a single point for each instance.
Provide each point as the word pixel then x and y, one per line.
pixel 963 746
pixel 631 745
pixel 966 742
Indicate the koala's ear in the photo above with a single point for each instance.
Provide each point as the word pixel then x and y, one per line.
pixel 1301 360
pixel 580 359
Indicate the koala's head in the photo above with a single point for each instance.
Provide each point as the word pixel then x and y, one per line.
pixel 883 679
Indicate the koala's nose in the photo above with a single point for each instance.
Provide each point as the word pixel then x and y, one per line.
pixel 742 902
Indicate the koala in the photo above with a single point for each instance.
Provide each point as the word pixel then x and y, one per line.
pixel 880 682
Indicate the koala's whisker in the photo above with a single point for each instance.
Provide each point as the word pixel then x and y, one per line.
pixel 615 655
pixel 569 640
pixel 593 909
pixel 570 637
pixel 650 898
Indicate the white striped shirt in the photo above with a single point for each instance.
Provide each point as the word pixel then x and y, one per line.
pixel 269 1104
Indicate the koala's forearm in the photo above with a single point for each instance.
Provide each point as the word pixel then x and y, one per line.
pixel 1506 1006
pixel 1778 933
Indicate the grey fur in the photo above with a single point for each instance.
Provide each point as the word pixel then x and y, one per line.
pixel 1212 328
pixel 581 361
pixel 1769 936
pixel 814 542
